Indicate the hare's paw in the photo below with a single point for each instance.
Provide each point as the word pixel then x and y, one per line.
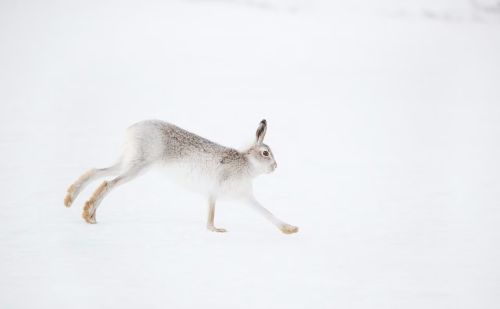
pixel 288 229
pixel 68 200
pixel 214 229
pixel 89 212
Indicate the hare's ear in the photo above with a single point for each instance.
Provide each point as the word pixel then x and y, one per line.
pixel 261 131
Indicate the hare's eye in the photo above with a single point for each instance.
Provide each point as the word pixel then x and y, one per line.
pixel 265 153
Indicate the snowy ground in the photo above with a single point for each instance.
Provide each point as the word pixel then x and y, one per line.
pixel 384 118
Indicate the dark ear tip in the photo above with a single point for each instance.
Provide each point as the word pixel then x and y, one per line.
pixel 263 121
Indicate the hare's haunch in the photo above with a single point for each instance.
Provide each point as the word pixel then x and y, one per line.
pixel 204 166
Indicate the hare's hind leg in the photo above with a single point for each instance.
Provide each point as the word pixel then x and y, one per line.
pixel 211 216
pixel 85 179
pixel 90 208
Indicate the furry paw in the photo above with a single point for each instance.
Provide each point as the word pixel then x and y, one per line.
pixel 89 212
pixel 68 200
pixel 289 229
pixel 214 229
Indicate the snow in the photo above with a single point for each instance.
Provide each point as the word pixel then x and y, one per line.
pixel 384 120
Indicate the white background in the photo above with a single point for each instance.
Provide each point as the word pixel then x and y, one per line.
pixel 384 117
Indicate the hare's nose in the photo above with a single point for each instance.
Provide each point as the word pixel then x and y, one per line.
pixel 275 165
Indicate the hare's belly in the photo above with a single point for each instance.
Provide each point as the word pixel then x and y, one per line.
pixel 205 179
pixel 197 178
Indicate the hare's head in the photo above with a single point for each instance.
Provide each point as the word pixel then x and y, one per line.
pixel 260 155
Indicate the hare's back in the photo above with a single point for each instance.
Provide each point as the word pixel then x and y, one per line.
pixel 160 140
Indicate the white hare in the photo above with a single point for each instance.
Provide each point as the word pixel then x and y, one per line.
pixel 211 169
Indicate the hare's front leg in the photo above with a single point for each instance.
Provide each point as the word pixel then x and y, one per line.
pixel 284 227
pixel 211 216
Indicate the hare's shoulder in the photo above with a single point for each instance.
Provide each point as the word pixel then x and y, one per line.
pixel 232 156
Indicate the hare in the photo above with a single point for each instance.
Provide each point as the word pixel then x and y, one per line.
pixel 208 168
